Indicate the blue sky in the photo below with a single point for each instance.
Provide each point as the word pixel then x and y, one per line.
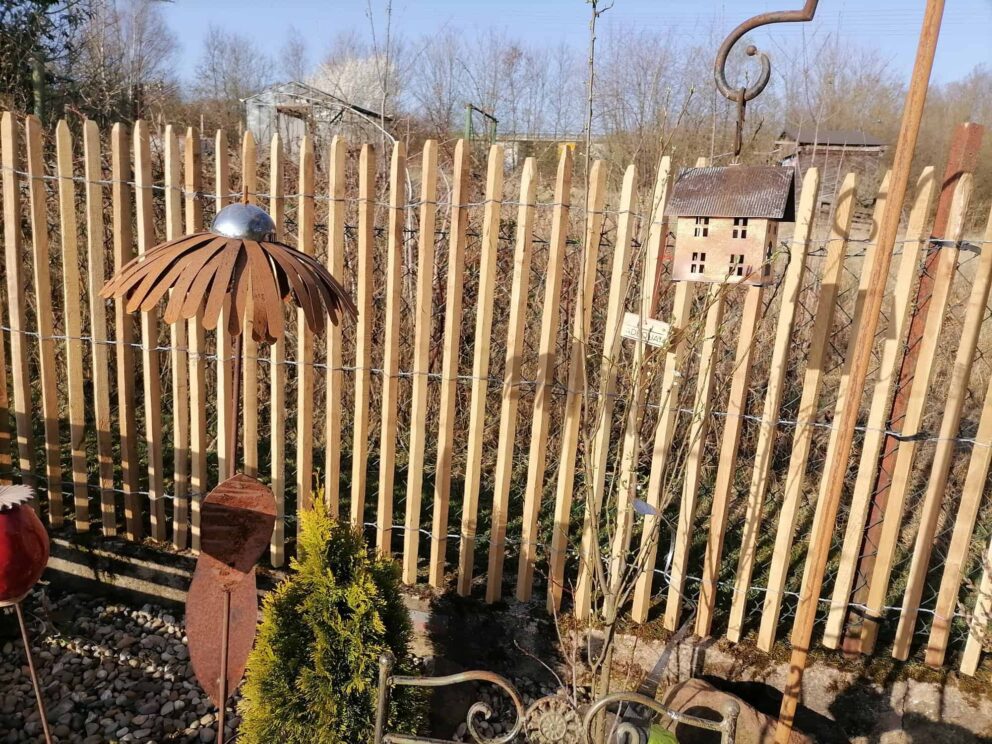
pixel 889 25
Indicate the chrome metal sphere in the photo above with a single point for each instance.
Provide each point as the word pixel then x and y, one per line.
pixel 245 221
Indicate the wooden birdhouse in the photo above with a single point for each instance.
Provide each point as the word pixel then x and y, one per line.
pixel 727 222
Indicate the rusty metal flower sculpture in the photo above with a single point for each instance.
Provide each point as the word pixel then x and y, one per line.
pixel 237 255
pixel 201 274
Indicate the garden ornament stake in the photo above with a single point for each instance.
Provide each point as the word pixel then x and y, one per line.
pixel 742 95
pixel 23 557
pixel 202 274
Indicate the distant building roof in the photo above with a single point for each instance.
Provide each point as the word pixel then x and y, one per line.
pixel 830 137
pixel 759 191
pixel 313 95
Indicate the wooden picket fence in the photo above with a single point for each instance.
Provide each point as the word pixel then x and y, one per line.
pixel 485 321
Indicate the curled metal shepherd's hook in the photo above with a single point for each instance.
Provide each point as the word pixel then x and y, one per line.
pixel 720 67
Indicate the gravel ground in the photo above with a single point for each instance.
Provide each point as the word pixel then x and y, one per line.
pixel 109 673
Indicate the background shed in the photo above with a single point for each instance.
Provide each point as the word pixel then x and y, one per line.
pixel 293 109
pixel 835 152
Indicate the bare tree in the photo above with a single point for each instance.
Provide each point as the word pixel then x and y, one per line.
pixel 596 10
pixel 827 84
pixel 126 58
pixel 294 57
pixel 563 90
pixel 484 76
pixel 230 69
pixel 382 56
pixel 352 70
pixel 437 89
pixel 38 38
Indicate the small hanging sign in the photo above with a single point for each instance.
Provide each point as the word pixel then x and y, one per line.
pixel 648 330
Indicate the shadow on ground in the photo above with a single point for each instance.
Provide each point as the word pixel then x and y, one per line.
pixel 866 713
pixel 503 638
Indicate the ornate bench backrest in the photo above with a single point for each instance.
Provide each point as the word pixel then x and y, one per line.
pixel 549 720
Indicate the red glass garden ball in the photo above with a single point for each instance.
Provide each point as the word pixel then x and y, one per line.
pixel 23 545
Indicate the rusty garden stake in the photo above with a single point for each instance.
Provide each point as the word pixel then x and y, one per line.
pixel 26 639
pixel 963 159
pixel 207 272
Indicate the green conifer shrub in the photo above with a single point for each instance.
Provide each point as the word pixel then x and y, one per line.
pixel 313 674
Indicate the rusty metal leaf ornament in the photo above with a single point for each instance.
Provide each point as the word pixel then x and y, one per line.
pixel 237 256
pixel 204 619
pixel 236 522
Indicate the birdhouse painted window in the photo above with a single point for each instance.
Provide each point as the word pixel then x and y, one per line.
pixel 727 222
pixel 736 265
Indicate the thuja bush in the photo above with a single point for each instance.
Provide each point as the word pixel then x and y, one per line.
pixel 313 673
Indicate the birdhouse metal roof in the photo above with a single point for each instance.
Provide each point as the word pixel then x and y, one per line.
pixel 758 191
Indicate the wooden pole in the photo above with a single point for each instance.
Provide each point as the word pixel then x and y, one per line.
pixel 277 378
pixel 178 334
pixel 363 332
pixel 480 367
pixel 391 362
pixel 305 374
pixel 249 347
pixel 15 271
pixel 124 325
pixel 47 370
pixel 449 363
pixel 222 187
pixel 5 461
pixel 421 361
pixel 197 340
pixel 99 351
pixel 335 344
pixel 822 537
pixel 73 320
pixel 151 358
